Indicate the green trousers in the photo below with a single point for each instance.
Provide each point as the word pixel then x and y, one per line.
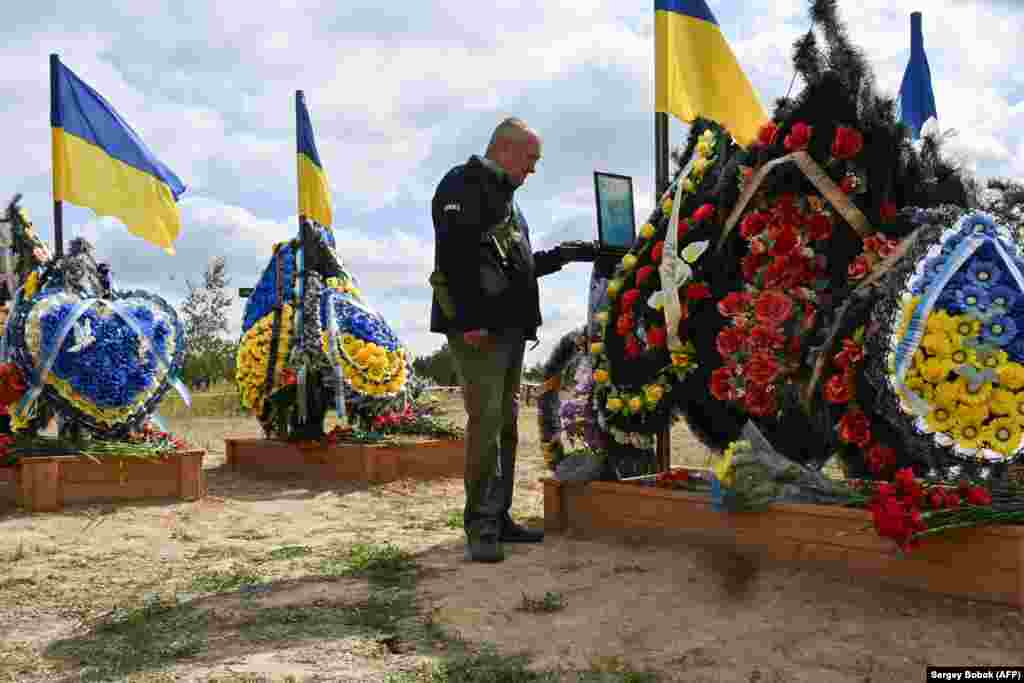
pixel 490 390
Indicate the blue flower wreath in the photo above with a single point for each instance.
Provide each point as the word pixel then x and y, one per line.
pixel 114 375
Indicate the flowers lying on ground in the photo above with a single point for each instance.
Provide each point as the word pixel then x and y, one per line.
pixel 148 442
pixel 908 510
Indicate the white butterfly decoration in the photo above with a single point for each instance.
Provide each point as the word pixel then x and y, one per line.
pixel 83 336
pixel 681 272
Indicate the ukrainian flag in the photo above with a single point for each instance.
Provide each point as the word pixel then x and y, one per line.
pixel 696 73
pixel 100 163
pixel 314 190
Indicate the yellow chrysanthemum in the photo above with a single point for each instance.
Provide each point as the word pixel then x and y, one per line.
pixel 922 388
pixel 992 360
pixel 968 436
pixel 1003 402
pixel 636 403
pixel 963 356
pixel 940 322
pixel 941 419
pixel 936 370
pixel 1011 376
pixel 919 360
pixel 968 327
pixel 938 344
pixel 972 413
pixel 974 393
pixel 946 394
pixel 1003 435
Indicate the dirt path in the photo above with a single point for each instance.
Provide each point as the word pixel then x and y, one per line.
pixel 261 581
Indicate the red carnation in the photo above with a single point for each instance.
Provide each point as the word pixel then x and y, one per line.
pixel 632 349
pixel 642 274
pixel 887 212
pixel 763 369
pixel 760 401
pixel 721 384
pixel 887 247
pixel 656 252
pixel 656 337
pixel 765 337
pixel 787 241
pixel 851 354
pixel 629 300
pixel 977 495
pixel 859 268
pixel 734 304
pixel 773 307
pixel 819 227
pixel 684 227
pixel 624 324
pixel 848 184
pixel 880 457
pixel 753 224
pixel 703 213
pixel 838 389
pixel 752 263
pixel 766 135
pixel 799 137
pixel 848 143
pixel 696 291
pixel 730 341
pixel 855 428
pixel 873 242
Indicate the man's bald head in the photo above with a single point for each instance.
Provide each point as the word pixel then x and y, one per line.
pixel 515 147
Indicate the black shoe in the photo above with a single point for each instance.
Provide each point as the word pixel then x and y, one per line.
pixel 484 548
pixel 513 533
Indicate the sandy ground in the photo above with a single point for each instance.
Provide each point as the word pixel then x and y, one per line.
pixel 681 612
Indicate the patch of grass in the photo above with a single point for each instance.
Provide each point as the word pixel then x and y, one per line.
pixel 549 602
pixel 486 666
pixel 616 677
pixel 455 520
pixel 225 581
pixel 387 564
pixel 289 552
pixel 158 633
pixel 381 616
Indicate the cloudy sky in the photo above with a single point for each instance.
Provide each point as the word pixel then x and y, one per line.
pixel 400 94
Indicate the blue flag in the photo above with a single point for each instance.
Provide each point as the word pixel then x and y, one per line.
pixel 917 101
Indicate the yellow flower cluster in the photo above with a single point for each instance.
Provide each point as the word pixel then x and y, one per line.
pixel 369 368
pixel 254 353
pixel 31 285
pixel 648 398
pixel 724 466
pixel 976 414
pixel 345 285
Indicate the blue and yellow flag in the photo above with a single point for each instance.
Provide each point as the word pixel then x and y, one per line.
pixel 917 99
pixel 314 190
pixel 100 163
pixel 696 73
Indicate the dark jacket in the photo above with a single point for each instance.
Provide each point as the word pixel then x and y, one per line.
pixel 470 199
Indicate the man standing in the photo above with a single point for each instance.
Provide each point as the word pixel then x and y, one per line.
pixel 486 301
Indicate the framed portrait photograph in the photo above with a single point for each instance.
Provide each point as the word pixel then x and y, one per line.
pixel 616 222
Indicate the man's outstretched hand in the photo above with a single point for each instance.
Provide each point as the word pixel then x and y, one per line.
pixel 578 251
